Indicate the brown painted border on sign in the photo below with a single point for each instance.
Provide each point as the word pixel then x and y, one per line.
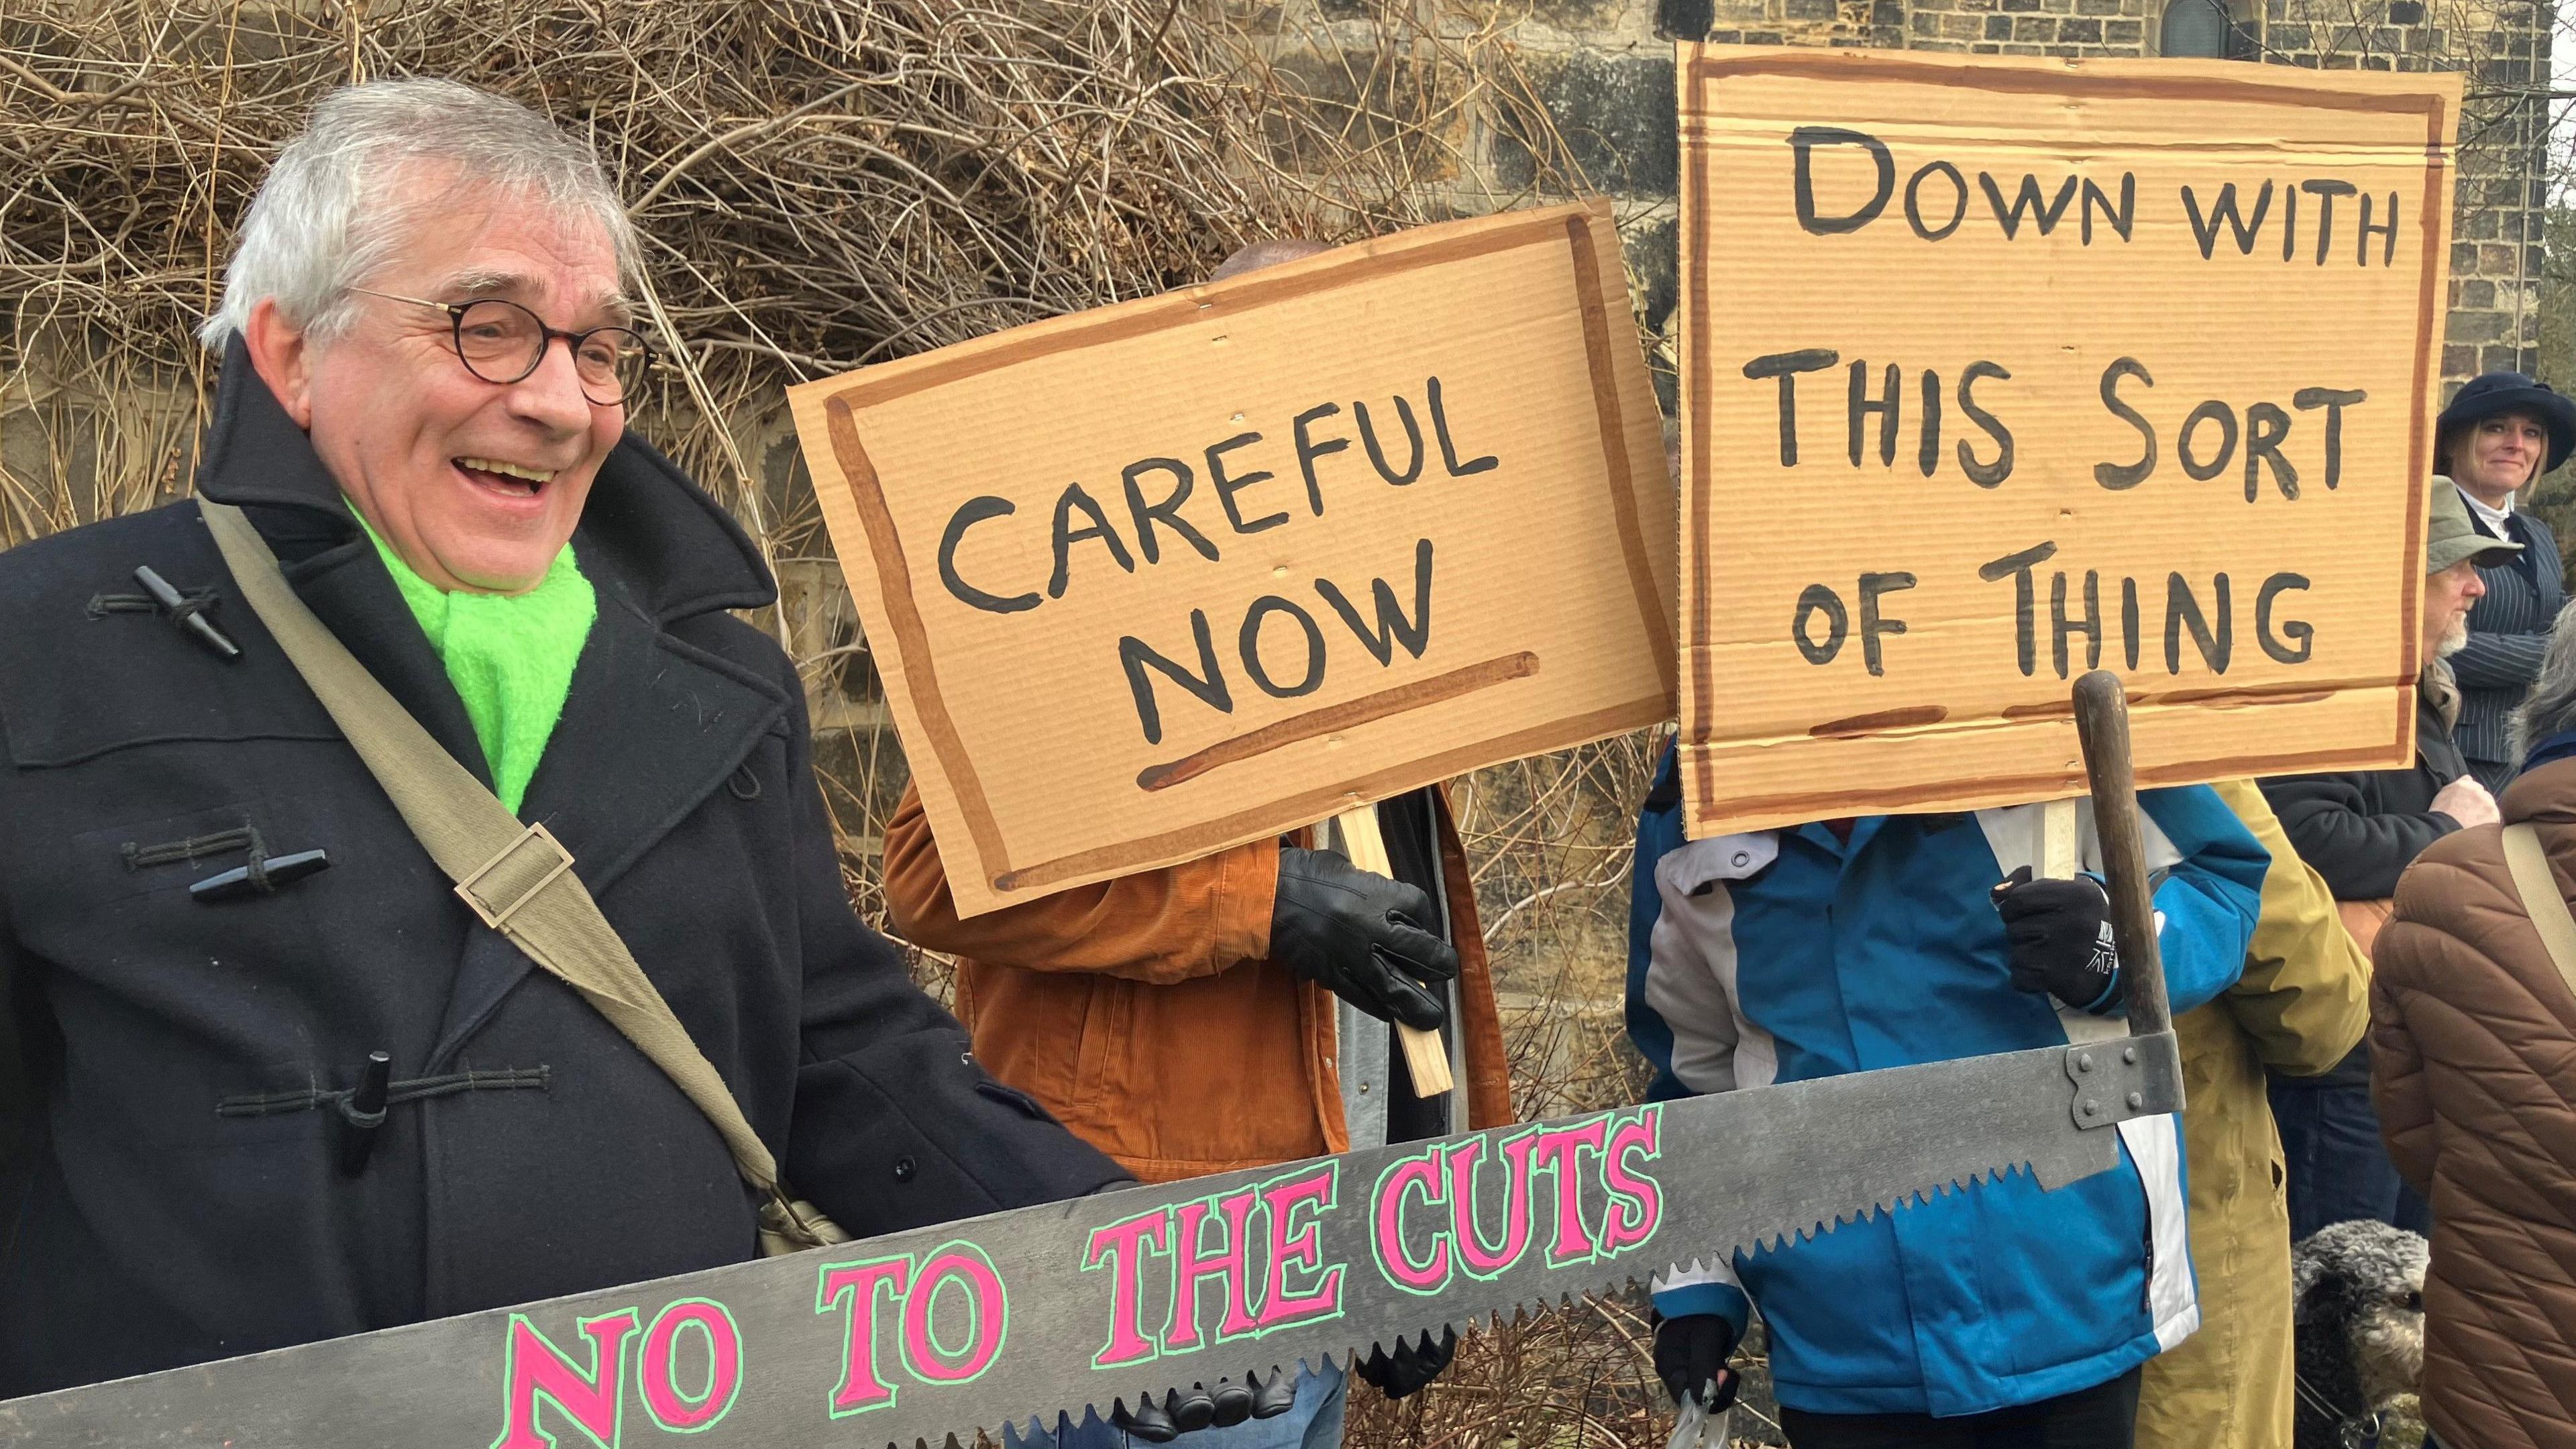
pixel 1315 804
pixel 1844 66
pixel 1349 714
pixel 1570 227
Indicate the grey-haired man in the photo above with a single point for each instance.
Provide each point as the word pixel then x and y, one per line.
pixel 197 1000
pixel 2360 830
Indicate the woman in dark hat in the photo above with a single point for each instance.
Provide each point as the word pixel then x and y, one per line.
pixel 2499 434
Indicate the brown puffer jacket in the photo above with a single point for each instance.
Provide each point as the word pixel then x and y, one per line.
pixel 2473 1045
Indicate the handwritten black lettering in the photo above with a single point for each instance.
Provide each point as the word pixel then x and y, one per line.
pixel 1167 512
pixel 2326 192
pixel 1074 497
pixel 2120 476
pixel 2297 637
pixel 1803 143
pixel 1249 643
pixel 1813 601
pixel 2017 567
pixel 2265 426
pixel 2334 401
pixel 1448 449
pixel 1208 685
pixel 2088 624
pixel 1227 485
pixel 2210 411
pixel 2225 211
pixel 1392 627
pixel 1872 625
pixel 1885 405
pixel 968 514
pixel 1377 454
pixel 2387 233
pixel 1308 450
pixel 1786 366
pixel 2121 217
pixel 1984 475
pixel 2027 202
pixel 2182 611
pixel 1958 203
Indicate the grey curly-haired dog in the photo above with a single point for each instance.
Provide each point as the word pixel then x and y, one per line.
pixel 2359 1294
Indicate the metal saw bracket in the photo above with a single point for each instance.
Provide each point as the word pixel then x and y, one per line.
pixel 2123 1078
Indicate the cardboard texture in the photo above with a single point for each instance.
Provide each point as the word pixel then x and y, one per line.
pixel 1156 579
pixel 1996 370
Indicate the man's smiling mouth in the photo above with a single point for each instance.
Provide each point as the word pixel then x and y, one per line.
pixel 513 478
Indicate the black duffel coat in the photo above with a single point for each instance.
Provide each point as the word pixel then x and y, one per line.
pixel 177 1195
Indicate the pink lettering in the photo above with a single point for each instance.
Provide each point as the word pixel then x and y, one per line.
pixel 987 1316
pixel 1414 1174
pixel 1124 1246
pixel 686 1413
pixel 1291 1242
pixel 1191 1267
pixel 1636 1201
pixel 593 1398
pixel 1559 1153
pixel 863 1284
pixel 1480 1260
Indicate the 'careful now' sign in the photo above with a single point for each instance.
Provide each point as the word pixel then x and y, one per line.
pixel 1999 371
pixel 1160 578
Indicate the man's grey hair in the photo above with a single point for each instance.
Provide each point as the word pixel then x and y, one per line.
pixel 343 197
pixel 2551 705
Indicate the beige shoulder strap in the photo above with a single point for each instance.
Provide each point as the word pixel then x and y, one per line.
pixel 2538 887
pixel 516 877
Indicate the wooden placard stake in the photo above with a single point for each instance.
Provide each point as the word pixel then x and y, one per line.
pixel 2057 855
pixel 1422 1049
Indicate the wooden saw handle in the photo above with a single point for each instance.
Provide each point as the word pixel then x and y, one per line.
pixel 2102 724
pixel 1422 1049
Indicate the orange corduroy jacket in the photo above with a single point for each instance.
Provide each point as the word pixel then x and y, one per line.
pixel 1145 1013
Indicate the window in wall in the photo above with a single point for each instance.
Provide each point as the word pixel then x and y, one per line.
pixel 2204 29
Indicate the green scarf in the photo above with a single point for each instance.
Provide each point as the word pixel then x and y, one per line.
pixel 510 657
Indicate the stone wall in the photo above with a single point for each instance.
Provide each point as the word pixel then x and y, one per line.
pixel 1602 71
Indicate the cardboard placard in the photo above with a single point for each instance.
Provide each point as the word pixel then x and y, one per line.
pixel 1156 579
pixel 1999 369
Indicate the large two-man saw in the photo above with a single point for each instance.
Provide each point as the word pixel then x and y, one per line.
pixel 1023 1315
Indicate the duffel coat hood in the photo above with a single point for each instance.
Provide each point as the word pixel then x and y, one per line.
pixel 2473 1053
pixel 177 1195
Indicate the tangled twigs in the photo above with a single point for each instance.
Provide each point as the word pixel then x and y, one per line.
pixel 821 179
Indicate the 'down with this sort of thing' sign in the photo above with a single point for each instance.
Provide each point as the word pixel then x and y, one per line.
pixel 2142 383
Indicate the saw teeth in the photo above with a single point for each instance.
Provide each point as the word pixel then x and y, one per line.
pixel 1631 1277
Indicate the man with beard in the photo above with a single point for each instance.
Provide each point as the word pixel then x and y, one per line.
pixel 2361 830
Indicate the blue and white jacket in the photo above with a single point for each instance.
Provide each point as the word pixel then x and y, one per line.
pixel 1787 955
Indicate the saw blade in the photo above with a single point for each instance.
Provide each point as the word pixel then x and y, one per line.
pixel 1025 1315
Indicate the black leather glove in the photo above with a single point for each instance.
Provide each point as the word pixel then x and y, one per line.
pixel 1197 1407
pixel 1690 1357
pixel 1414 1363
pixel 1148 1421
pixel 2060 935
pixel 1360 936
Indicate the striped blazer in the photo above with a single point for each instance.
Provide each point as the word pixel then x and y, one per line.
pixel 2508 633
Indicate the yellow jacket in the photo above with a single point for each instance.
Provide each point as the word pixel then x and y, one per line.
pixel 2301 1005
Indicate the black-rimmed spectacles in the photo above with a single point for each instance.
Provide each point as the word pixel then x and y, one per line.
pixel 503 342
